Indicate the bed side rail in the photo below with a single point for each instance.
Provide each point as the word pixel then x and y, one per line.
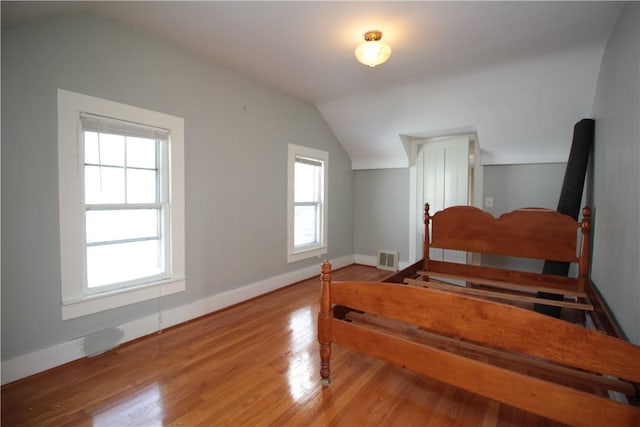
pixel 493 324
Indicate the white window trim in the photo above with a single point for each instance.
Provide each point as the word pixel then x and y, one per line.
pixel 320 249
pixel 75 302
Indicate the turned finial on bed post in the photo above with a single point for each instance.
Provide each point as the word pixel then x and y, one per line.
pixel 585 247
pixel 425 239
pixel 324 317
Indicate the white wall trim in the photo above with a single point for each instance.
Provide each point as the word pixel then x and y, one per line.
pixel 59 354
pixel 365 260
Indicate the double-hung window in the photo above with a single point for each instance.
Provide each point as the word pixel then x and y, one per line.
pixel 307 206
pixel 126 203
pixel 121 194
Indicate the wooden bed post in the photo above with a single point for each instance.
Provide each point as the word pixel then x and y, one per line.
pixel 585 248
pixel 324 317
pixel 426 239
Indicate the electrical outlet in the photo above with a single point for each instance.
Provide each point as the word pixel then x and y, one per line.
pixel 488 202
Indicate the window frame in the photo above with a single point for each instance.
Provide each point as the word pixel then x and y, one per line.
pixel 106 126
pixel 321 247
pixel 76 300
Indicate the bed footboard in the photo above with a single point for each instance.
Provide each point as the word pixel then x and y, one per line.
pixel 483 324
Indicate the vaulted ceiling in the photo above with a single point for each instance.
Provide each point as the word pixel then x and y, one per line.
pixel 519 74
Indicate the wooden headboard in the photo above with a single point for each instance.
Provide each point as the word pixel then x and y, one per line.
pixel 529 233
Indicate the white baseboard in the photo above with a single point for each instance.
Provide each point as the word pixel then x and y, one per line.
pixel 366 260
pixel 59 354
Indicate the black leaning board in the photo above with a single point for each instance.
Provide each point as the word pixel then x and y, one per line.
pixel 570 198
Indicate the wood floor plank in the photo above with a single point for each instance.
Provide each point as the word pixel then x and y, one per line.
pixel 252 364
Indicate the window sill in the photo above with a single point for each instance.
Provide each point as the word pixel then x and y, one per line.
pixel 308 253
pixel 109 300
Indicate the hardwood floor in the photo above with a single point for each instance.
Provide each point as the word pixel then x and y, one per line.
pixel 254 364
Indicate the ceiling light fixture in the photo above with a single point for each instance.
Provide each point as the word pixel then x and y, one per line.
pixel 372 52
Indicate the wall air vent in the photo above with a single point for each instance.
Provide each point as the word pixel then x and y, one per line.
pixel 387 260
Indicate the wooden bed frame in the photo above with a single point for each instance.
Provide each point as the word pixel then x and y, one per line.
pixel 531 233
pixel 465 337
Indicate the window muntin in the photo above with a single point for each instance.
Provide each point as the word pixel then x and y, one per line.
pixel 307 213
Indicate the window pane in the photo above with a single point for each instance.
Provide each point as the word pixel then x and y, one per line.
pixel 91 148
pixel 141 153
pixel 141 186
pixel 122 262
pixel 307 182
pixel 104 226
pixel 305 225
pixel 111 149
pixel 103 185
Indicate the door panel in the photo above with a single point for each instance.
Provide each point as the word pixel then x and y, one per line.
pixel 443 181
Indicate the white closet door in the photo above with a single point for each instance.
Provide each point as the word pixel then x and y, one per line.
pixel 443 181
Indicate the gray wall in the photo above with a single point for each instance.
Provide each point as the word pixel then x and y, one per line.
pixel 616 173
pixel 236 136
pixel 381 211
pixel 521 186
pixel 381 203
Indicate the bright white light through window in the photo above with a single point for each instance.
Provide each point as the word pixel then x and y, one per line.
pixel 123 262
pixel 124 208
pixel 305 226
pixel 111 225
pixel 308 201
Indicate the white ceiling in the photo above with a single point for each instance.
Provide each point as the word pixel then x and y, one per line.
pixel 520 74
